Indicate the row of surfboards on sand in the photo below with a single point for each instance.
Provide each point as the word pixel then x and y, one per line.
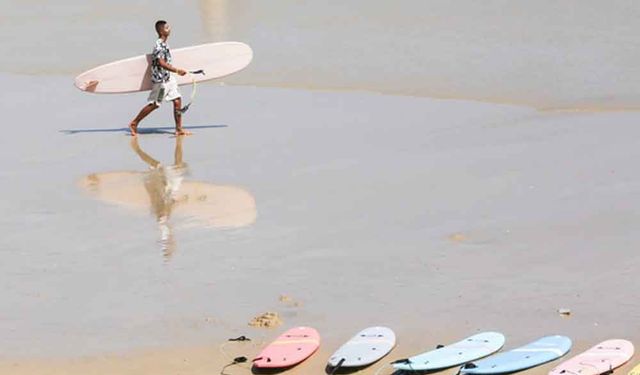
pixel 473 354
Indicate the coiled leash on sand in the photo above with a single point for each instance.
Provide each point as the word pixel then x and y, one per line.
pixel 236 360
pixel 193 89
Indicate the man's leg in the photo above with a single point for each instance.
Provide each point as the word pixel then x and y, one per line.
pixel 133 126
pixel 177 116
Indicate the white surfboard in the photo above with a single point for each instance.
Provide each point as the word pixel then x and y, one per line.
pixel 217 60
pixel 467 350
pixel 536 353
pixel 365 348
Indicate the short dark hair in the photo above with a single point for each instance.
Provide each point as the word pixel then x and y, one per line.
pixel 159 25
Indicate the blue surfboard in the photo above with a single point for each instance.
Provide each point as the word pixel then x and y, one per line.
pixel 469 349
pixel 541 351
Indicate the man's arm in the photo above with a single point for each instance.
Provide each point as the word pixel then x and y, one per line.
pixel 170 68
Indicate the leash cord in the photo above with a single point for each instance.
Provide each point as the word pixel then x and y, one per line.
pixel 194 88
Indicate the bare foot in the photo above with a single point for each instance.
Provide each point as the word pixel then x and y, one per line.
pixel 182 132
pixel 133 128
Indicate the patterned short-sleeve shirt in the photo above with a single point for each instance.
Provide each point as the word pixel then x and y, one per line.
pixel 160 51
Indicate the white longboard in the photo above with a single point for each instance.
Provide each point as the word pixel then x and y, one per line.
pixel 467 350
pixel 134 74
pixel 365 348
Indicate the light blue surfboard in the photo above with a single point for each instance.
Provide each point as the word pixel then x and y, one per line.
pixel 541 351
pixel 467 350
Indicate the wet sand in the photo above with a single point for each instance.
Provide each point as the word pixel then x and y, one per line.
pixel 545 54
pixel 438 218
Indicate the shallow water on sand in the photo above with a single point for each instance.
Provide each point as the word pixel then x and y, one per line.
pixel 547 54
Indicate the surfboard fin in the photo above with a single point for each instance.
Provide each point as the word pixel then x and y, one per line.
pixel 467 365
pixel 403 360
pixel 91 85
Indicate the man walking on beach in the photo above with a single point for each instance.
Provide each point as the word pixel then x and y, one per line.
pixel 165 85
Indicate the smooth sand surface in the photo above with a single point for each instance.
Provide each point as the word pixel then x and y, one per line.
pixel 437 218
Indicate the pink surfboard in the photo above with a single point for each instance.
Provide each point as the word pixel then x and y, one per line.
pixel 134 74
pixel 290 348
pixel 603 357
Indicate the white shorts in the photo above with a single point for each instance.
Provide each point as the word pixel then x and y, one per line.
pixel 165 91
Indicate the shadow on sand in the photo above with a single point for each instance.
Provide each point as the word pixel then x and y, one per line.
pixel 270 371
pixel 146 130
pixel 378 366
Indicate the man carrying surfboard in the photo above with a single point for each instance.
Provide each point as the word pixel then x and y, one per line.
pixel 165 85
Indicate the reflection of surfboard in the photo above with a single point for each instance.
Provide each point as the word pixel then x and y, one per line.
pixel 467 350
pixel 202 203
pixel 290 348
pixel 607 355
pixel 365 348
pixel 133 74
pixel 533 354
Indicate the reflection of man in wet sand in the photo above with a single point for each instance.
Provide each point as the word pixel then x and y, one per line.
pixel 165 192
pixel 163 183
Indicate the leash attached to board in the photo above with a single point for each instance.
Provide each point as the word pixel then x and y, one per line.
pixel 193 89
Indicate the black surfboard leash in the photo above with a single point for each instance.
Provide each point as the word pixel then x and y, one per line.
pixel 337 366
pixel 236 360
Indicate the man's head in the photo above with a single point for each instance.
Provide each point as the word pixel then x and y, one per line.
pixel 162 28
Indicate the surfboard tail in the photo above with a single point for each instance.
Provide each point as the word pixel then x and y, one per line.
pixel 89 86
